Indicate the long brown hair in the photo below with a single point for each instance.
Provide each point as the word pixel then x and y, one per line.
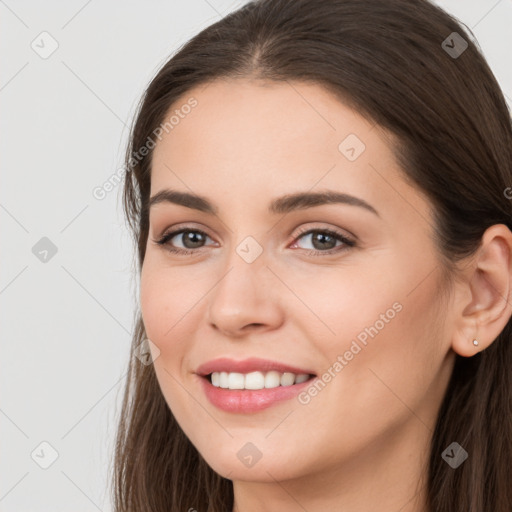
pixel 398 63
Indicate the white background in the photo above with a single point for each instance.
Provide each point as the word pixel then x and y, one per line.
pixel 66 324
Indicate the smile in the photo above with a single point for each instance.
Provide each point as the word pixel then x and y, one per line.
pixel 251 385
pixel 244 400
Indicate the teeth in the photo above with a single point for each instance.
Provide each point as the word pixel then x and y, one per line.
pixel 223 380
pixel 256 380
pixel 303 377
pixel 236 380
pixel 272 379
pixel 287 379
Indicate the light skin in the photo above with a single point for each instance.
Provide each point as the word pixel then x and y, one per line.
pixel 363 441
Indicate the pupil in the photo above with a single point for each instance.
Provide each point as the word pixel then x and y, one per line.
pixel 194 238
pixel 322 238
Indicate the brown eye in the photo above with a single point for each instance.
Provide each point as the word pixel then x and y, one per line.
pixel 189 238
pixel 324 241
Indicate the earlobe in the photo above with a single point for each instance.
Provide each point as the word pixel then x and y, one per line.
pixel 485 314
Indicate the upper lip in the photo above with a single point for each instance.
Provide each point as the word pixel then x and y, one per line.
pixel 225 364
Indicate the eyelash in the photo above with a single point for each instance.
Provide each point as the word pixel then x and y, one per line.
pixel 163 241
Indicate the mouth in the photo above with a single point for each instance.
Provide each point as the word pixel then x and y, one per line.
pixel 251 385
pixel 253 392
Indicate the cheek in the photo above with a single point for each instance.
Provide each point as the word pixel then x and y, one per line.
pixel 154 303
pixel 376 332
pixel 345 304
pixel 172 304
pixel 162 307
pixel 166 298
pixel 371 390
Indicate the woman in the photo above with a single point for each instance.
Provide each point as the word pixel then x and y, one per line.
pixel 318 195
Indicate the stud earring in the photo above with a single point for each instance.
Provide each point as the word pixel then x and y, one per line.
pixel 475 342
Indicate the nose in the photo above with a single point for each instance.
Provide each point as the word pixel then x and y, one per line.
pixel 245 299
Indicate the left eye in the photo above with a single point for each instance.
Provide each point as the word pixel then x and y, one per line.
pixel 324 240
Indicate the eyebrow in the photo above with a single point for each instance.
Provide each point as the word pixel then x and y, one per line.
pixel 280 205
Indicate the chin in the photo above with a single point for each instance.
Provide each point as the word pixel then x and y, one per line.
pixel 266 469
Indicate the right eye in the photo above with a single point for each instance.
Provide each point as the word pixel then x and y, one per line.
pixel 190 238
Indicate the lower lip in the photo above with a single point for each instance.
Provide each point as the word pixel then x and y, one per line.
pixel 246 400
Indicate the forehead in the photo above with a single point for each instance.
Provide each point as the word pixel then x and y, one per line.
pixel 253 121
pixel 248 139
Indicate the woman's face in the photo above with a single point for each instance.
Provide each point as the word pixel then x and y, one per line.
pixel 360 315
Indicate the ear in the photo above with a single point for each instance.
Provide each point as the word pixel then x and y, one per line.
pixel 483 300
